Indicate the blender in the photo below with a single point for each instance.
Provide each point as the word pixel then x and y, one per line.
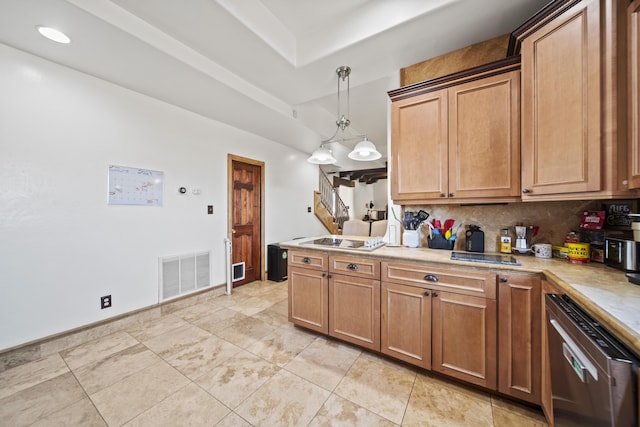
pixel 523 234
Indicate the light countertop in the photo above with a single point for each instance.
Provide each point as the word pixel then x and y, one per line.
pixel 602 291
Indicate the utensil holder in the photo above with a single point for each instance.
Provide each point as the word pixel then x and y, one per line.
pixel 439 242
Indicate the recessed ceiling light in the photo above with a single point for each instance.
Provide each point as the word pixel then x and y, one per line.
pixel 53 34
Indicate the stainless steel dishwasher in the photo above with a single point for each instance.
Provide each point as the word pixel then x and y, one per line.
pixel 593 377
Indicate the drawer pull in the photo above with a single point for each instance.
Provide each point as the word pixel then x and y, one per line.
pixel 426 293
pixel 435 294
pixel 504 280
pixel 352 266
pixel 431 278
pixel 306 260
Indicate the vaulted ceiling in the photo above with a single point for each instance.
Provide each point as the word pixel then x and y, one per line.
pixel 264 66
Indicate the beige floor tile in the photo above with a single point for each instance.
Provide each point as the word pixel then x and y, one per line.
pixel 381 387
pixel 189 406
pixel 201 357
pixel 507 413
pixel 436 404
pixel 246 332
pixel 28 406
pixel 252 305
pixel 24 376
pixel 233 420
pixel 339 412
pixel 81 413
pixel 324 362
pixel 176 340
pixel 284 400
pixel 135 394
pixel 95 376
pixel 273 317
pixel 197 311
pixel 231 382
pixel 219 320
pixel 155 327
pixel 99 349
pixel 281 346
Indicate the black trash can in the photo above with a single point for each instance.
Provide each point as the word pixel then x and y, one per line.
pixel 276 263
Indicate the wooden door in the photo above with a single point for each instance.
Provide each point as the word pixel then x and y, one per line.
pixel 484 137
pixel 354 314
pixel 419 147
pixel 633 29
pixel 561 132
pixel 519 336
pixel 464 337
pixel 406 323
pixel 246 177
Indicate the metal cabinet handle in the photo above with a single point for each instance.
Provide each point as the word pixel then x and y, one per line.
pixel 306 260
pixel 352 266
pixel 431 278
pixel 329 276
pixel 504 280
pixel 435 294
pixel 526 190
pixel 443 195
pixel 426 293
pixel 452 194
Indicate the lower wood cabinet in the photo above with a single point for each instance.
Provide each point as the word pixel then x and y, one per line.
pixel 464 337
pixel 519 329
pixel 446 331
pixel 309 298
pixel 445 319
pixel 406 323
pixel 354 314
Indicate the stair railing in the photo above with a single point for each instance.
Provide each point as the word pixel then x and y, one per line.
pixel 332 201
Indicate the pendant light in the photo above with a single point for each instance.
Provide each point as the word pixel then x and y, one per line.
pixel 365 150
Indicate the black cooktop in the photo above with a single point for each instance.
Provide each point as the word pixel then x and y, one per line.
pixel 481 257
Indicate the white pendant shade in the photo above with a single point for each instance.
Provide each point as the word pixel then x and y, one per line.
pixel 322 156
pixel 365 151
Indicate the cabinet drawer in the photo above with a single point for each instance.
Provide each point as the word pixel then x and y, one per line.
pixel 314 260
pixel 354 266
pixel 475 283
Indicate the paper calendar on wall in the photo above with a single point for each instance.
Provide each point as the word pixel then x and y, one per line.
pixel 135 186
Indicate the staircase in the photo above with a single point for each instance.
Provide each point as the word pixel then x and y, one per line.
pixel 328 206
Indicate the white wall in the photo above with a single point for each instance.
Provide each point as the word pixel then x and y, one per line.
pixel 62 246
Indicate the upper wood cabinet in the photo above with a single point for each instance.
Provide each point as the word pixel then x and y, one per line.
pixel 573 103
pixel 633 28
pixel 458 138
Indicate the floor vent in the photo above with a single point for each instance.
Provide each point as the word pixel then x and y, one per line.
pixel 180 275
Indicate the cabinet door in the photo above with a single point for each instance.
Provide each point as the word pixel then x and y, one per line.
pixel 633 28
pixel 561 131
pixel 419 147
pixel 519 336
pixel 406 323
pixel 308 298
pixel 484 137
pixel 464 337
pixel 354 313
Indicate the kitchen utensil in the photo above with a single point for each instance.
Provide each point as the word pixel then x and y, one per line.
pixel 423 215
pixel 448 224
pixel 523 234
pixel 447 234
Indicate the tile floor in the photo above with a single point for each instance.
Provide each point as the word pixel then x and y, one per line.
pixel 236 361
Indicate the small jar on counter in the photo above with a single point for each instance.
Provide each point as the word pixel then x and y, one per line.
pixel 505 241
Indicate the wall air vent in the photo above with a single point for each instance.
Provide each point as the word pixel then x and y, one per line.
pixel 183 274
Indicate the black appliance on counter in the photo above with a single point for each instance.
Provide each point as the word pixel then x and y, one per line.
pixel 276 263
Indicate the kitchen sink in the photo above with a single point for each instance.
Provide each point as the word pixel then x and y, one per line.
pixel 486 258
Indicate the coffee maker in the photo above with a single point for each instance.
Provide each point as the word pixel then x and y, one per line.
pixel 524 233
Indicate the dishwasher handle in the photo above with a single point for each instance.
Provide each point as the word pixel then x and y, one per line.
pixel 574 356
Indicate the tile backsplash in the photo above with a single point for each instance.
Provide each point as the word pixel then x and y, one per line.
pixel 555 219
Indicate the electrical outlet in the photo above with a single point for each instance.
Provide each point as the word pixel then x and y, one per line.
pixel 105 302
pixel 210 209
